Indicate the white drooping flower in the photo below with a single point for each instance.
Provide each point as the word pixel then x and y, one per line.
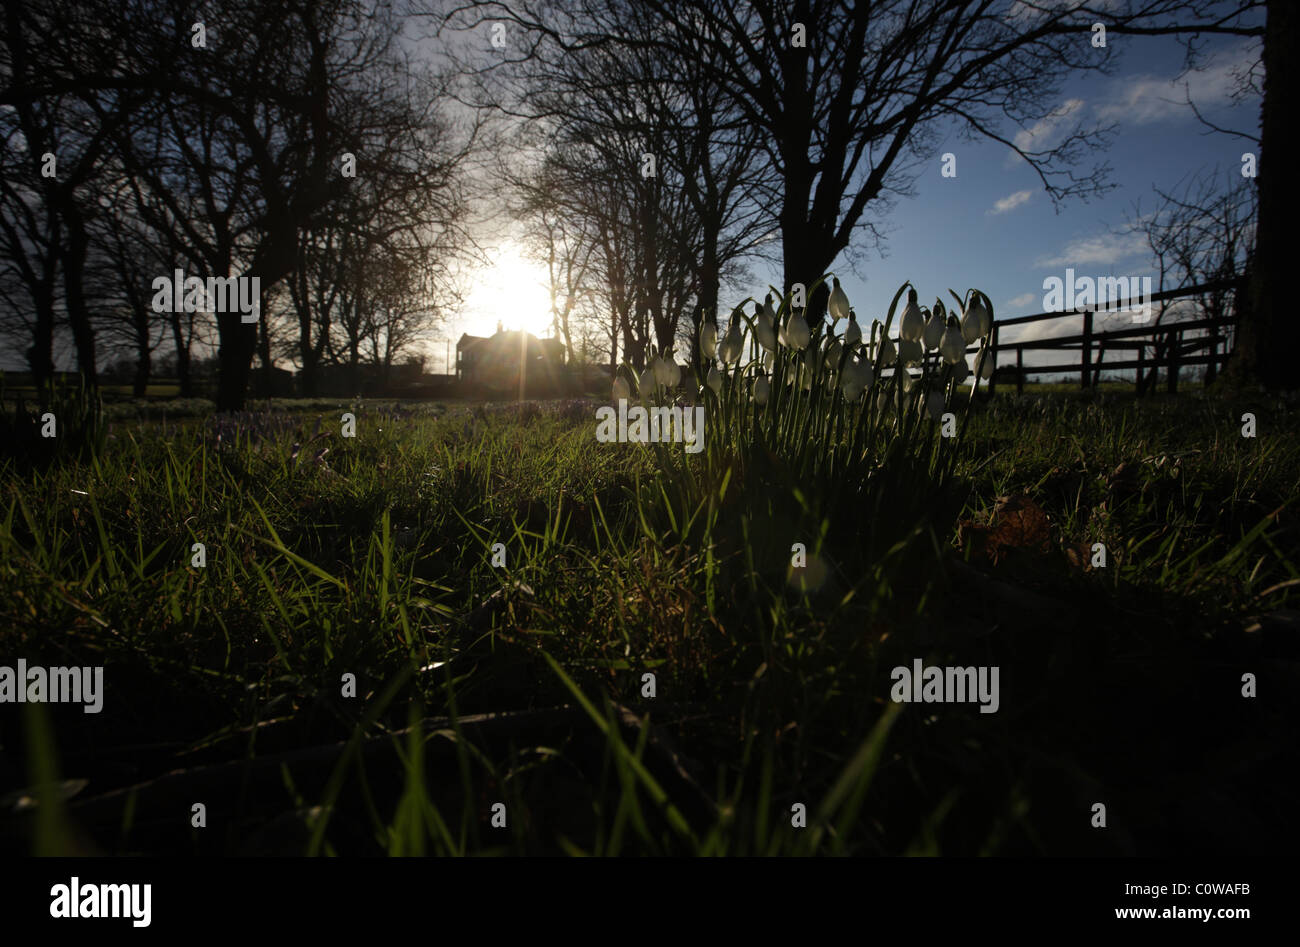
pixel 709 339
pixel 648 381
pixel 961 370
pixel 975 321
pixel 622 390
pixel 856 378
pixel 732 343
pixel 912 324
pixel 910 352
pixel 762 390
pixel 833 353
pixel 714 379
pixel 853 334
pixel 839 302
pixel 888 354
pixel 769 360
pixel 952 347
pixel 661 370
pixel 797 332
pixel 768 311
pixel 986 364
pixel 672 373
pixel 934 328
pixel 764 329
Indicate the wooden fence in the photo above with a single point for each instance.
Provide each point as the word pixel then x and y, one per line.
pixel 1204 341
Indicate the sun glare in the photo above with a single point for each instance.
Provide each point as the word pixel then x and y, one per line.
pixel 512 291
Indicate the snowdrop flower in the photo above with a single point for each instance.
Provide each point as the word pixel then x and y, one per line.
pixel 672 373
pixel 763 328
pixel 952 347
pixel 762 390
pixel 853 334
pixel 647 383
pixel 912 325
pixel 768 312
pixel 661 370
pixel 975 322
pixel 856 378
pixel 934 327
pixel 622 391
pixel 910 352
pixel 714 379
pixel 961 370
pixel 888 354
pixel 769 359
pixel 797 333
pixel 986 364
pixel 833 353
pixel 732 343
pixel 709 339
pixel 839 302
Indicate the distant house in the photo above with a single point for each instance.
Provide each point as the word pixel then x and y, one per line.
pixel 508 361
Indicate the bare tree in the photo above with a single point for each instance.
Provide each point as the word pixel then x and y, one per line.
pixel 1201 233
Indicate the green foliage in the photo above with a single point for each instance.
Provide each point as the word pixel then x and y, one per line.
pixel 372 556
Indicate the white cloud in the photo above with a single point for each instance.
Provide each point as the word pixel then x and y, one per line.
pixel 1024 299
pixel 1104 250
pixel 1011 202
pixel 1140 100
pixel 1039 136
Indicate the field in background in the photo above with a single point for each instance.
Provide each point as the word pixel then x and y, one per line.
pixel 523 683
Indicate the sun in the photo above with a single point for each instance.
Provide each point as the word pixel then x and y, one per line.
pixel 512 291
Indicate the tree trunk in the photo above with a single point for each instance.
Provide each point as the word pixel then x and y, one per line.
pixel 74 267
pixel 183 376
pixel 234 360
pixel 1268 336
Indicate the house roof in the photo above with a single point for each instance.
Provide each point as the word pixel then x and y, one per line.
pixel 504 340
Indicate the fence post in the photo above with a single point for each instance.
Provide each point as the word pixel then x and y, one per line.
pixel 1020 371
pixel 993 354
pixel 1084 375
pixel 1212 366
pixel 1175 349
pixel 1141 369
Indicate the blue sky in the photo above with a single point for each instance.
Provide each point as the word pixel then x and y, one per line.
pixel 994 227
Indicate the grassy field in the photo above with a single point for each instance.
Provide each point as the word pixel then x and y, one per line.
pixel 358 668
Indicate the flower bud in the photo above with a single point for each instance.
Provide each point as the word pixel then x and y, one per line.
pixel 934 328
pixel 797 333
pixel 709 339
pixel 763 328
pixel 839 302
pixel 952 347
pixel 714 379
pixel 912 324
pixel 853 334
pixel 975 322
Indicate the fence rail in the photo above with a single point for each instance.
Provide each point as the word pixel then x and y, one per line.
pixel 1174 347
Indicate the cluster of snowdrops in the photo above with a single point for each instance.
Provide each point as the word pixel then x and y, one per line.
pixel 773 352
